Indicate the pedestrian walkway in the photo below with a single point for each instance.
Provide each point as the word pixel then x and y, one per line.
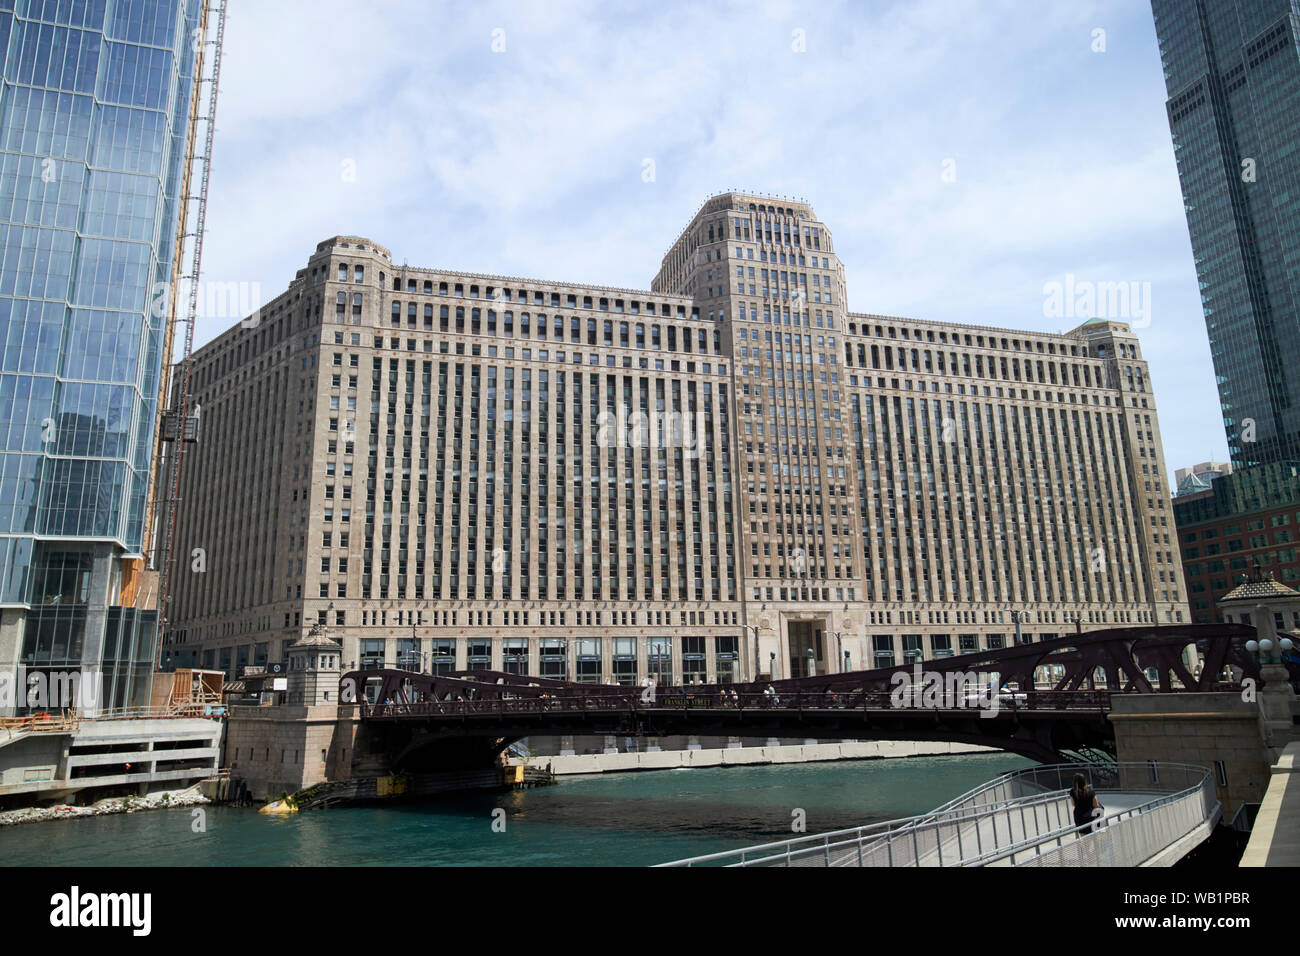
pixel 1154 813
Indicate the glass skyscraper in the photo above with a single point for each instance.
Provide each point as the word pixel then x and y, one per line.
pixel 1232 71
pixel 95 108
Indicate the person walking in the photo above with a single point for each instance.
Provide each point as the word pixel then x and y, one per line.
pixel 1087 808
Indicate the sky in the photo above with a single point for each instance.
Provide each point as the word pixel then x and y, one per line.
pixel 966 155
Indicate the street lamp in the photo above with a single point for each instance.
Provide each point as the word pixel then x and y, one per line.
pixel 1263 649
pixel 812 663
pixel 755 628
pixel 772 671
pixel 1018 617
pixel 659 643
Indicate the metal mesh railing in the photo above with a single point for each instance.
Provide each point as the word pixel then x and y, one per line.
pixel 912 841
pixel 1017 818
pixel 1132 837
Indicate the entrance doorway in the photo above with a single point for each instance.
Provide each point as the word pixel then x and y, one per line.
pixel 806 636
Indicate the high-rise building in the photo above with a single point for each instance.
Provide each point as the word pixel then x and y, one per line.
pixel 96 108
pixel 1232 71
pixel 1244 524
pixel 725 475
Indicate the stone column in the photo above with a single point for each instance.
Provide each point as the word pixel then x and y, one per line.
pixel 1276 695
pixel 1275 700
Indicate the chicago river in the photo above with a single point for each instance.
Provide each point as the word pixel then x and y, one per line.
pixel 627 819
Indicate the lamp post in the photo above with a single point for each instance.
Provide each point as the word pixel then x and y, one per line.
pixel 1276 698
pixel 772 672
pixel 1262 650
pixel 755 628
pixel 658 659
pixel 812 663
pixel 415 643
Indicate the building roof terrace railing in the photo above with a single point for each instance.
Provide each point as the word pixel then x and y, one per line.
pixel 684 299
pixel 1001 330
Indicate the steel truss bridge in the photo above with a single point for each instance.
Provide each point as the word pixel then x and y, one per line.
pixel 423 722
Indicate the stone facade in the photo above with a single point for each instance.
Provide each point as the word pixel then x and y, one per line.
pixel 1218 731
pixel 728 475
pixel 288 748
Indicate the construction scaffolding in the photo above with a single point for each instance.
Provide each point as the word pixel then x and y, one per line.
pixel 177 422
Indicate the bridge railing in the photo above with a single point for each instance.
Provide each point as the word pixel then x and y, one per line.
pixel 713 698
pixel 901 842
pixel 1163 780
pixel 1127 838
pixel 1031 780
pixel 1017 818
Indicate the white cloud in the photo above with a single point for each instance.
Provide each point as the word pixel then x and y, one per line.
pixel 529 161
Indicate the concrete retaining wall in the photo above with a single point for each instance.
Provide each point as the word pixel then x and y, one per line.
pixel 740 756
pixel 1275 840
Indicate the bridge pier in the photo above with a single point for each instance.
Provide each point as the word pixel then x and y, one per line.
pixel 1220 731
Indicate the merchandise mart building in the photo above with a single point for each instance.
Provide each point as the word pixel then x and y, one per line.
pixel 723 476
pixel 96 110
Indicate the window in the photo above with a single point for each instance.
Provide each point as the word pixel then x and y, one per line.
pixel 588 660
